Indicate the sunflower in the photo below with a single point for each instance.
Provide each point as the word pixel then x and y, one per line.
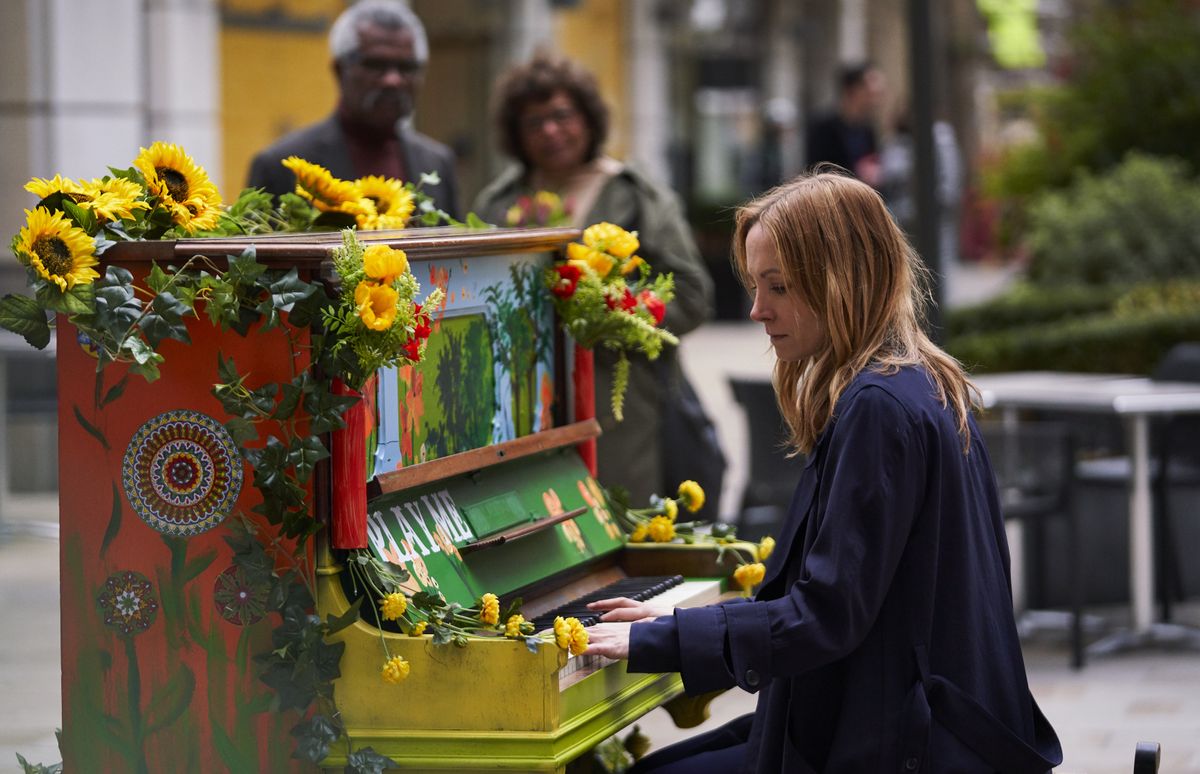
pixel 326 192
pixel 41 187
pixel 58 250
pixel 393 203
pixel 181 186
pixel 112 198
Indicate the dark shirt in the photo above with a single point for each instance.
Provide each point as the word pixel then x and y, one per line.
pixel 372 152
pixel 834 140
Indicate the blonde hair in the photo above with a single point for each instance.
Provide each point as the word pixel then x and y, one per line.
pixel 842 252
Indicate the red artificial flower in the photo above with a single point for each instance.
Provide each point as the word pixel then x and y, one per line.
pixel 412 349
pixel 627 302
pixel 654 305
pixel 421 323
pixel 568 278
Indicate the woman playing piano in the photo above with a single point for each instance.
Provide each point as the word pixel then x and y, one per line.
pixel 882 638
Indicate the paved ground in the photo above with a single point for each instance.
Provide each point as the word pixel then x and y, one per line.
pixel 1100 712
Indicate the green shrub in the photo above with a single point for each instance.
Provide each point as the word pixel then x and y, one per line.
pixel 1026 304
pixel 1138 222
pixel 1129 335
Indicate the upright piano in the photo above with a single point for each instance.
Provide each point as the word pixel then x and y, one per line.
pixel 474 483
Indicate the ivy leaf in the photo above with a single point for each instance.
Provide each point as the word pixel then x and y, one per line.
pixel 166 321
pixel 242 430
pixel 313 738
pixel 306 452
pixel 244 270
pixel 335 625
pixel 309 309
pixel 367 761
pixel 326 658
pixel 289 289
pixel 325 410
pixel 24 316
pixel 157 279
pixel 292 392
pixel 77 300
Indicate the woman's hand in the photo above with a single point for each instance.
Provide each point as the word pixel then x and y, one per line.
pixel 609 639
pixel 620 609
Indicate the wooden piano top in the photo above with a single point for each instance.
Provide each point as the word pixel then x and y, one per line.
pixel 311 249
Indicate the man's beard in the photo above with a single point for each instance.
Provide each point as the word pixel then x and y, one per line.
pixel 396 102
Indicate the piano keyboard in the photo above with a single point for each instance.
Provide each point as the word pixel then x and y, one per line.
pixel 669 591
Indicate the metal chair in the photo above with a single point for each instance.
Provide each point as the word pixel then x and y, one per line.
pixel 1034 465
pixel 772 477
pixel 1146 758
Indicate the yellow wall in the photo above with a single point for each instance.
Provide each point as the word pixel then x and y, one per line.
pixel 273 80
pixel 592 33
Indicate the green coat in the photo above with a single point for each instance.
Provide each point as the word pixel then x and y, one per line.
pixel 629 453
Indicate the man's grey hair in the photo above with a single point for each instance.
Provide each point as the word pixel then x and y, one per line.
pixel 389 14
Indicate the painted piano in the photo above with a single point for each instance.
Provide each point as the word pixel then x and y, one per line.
pixel 473 481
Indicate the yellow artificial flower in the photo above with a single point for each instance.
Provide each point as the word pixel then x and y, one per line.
pixel 766 547
pixel 590 258
pixel 384 264
pixel 750 575
pixel 393 203
pixel 418 629
pixel 661 529
pixel 181 186
pixel 639 534
pixel 41 187
pixel 113 198
pixel 395 669
pixel 393 606
pixel 57 249
pixel 512 628
pixel 548 200
pixel 634 262
pixel 326 192
pixel 375 305
pixel 570 635
pixel 489 609
pixel 670 508
pixel 611 238
pixel 512 216
pixel 692 495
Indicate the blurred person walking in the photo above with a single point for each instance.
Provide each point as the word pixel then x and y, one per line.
pixel 846 137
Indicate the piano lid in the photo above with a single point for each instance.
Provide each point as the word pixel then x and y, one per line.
pixel 427 523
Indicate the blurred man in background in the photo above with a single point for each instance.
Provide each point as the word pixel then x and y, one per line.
pixel 379 52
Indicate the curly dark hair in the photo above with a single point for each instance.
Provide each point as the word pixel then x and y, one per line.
pixel 536 81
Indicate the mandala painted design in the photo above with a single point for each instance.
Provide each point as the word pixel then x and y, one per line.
pixel 182 473
pixel 87 345
pixel 127 603
pixel 237 600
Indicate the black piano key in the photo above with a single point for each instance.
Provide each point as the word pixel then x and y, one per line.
pixel 636 588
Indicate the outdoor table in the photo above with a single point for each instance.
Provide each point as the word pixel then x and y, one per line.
pixel 1134 399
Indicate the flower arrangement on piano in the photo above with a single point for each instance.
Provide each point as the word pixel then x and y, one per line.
pixel 605 296
pixel 376 321
pixel 658 523
pixel 544 208
pixel 429 613
pixel 278 427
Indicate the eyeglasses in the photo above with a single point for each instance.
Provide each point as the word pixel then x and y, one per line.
pixel 558 117
pixel 381 67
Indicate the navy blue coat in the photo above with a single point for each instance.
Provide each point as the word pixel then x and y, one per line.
pixel 882 638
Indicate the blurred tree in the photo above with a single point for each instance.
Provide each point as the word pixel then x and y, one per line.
pixel 1133 83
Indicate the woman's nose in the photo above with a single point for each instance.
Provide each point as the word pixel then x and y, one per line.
pixel 758 310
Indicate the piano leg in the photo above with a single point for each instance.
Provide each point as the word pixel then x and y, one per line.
pixel 690 711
